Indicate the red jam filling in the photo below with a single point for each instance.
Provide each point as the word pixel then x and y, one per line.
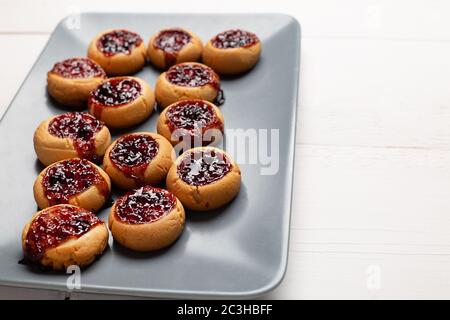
pixel 192 75
pixel 118 41
pixel 132 154
pixel 144 205
pixel 115 92
pixel 54 226
pixel 235 38
pixel 171 41
pixel 70 177
pixel 81 127
pixel 201 167
pixel 196 116
pixel 78 68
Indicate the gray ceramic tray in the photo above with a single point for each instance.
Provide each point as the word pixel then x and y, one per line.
pixel 238 251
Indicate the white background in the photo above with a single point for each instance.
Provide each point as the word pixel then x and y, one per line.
pixel 371 213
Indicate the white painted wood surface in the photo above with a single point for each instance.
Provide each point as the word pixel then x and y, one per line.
pixel 371 213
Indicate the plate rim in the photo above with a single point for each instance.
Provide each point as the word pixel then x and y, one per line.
pixel 278 277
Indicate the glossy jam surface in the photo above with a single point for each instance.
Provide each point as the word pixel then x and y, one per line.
pixel 192 75
pixel 171 41
pixel 118 41
pixel 116 92
pixel 70 177
pixel 132 154
pixel 55 225
pixel 235 38
pixel 196 116
pixel 201 167
pixel 144 205
pixel 191 114
pixel 78 68
pixel 81 127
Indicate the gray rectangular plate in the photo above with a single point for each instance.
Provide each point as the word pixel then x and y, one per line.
pixel 238 251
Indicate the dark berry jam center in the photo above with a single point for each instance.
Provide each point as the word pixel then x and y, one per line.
pixel 191 75
pixel 235 38
pixel 78 68
pixel 132 153
pixel 201 167
pixel 172 40
pixel 192 114
pixel 68 178
pixel 116 92
pixel 55 225
pixel 144 205
pixel 118 41
pixel 81 127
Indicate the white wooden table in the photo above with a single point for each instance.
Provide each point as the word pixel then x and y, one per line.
pixel 371 214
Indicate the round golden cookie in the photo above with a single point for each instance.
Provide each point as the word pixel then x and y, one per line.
pixel 138 159
pixel 70 81
pixel 232 52
pixel 71 135
pixel 146 219
pixel 122 102
pixel 120 52
pixel 188 80
pixel 172 46
pixel 204 178
pixel 72 181
pixel 64 235
pixel 192 122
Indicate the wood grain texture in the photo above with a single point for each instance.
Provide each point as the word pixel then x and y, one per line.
pixel 372 171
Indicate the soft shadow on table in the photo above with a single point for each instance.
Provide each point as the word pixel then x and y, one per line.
pixel 130 254
pixel 199 216
pixel 241 75
pixel 127 253
pixel 207 216
pixel 38 166
pixel 53 104
pixel 34 268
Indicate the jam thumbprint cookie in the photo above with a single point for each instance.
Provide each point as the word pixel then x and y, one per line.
pixel 204 178
pixel 71 135
pixel 119 52
pixel 146 219
pixel 73 181
pixel 70 81
pixel 172 46
pixel 194 122
pixel 189 80
pixel 64 235
pixel 232 51
pixel 138 159
pixel 122 102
